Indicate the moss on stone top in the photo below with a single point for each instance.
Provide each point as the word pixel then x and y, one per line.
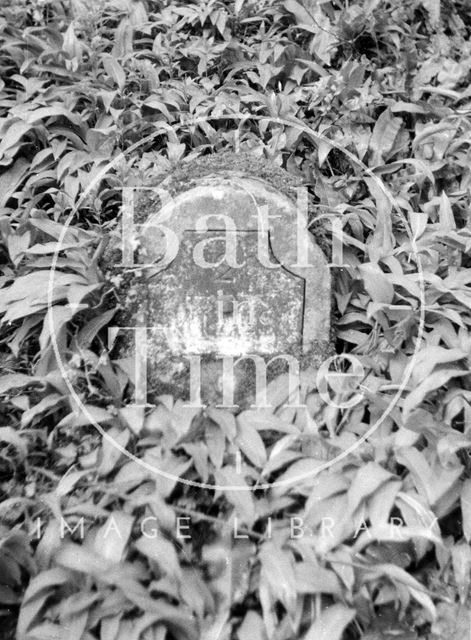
pixel 186 175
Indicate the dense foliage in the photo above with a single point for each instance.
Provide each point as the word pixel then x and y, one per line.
pixel 87 83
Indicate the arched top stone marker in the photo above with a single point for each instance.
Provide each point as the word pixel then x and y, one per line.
pixel 225 267
pixel 278 233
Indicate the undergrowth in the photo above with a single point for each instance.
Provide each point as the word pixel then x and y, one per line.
pixel 387 84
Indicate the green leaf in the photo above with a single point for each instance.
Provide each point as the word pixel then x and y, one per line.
pixel 427 359
pixel 312 578
pixel 55 321
pixel 53 111
pixel 263 419
pixel 13 135
pixel 88 333
pixel 384 135
pixel 241 496
pixel 300 13
pixel 461 559
pixel 18 246
pixel 111 539
pixel 215 442
pixel 47 631
pixel 331 623
pixel 35 596
pixel 110 454
pixel 85 415
pixel 252 627
pixel 225 420
pixel 445 214
pixel 383 241
pixel 277 571
pixel 377 283
pixel 398 575
pixel 466 509
pixel 431 482
pixel 55 230
pixel 16 381
pixel 162 552
pixel 82 559
pixel 71 44
pixel 32 291
pixel 238 4
pixel 367 480
pixel 430 130
pixel 133 417
pixel 382 502
pixel 47 248
pixel 300 473
pixel 115 71
pixel 250 442
pixel 123 39
pixel 11 179
pixel 10 436
pixel 68 482
pixel 434 381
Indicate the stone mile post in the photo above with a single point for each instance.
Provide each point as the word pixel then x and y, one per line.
pixel 222 287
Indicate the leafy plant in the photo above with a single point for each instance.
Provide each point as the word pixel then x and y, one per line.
pixel 385 88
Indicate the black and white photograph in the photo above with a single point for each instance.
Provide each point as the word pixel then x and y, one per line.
pixel 235 319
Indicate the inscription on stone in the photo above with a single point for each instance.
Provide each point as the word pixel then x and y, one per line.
pixel 224 309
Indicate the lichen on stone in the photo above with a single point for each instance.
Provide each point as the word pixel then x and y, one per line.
pixel 226 164
pixel 133 290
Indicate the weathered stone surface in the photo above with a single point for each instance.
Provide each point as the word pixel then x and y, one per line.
pixel 247 278
pixel 226 310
